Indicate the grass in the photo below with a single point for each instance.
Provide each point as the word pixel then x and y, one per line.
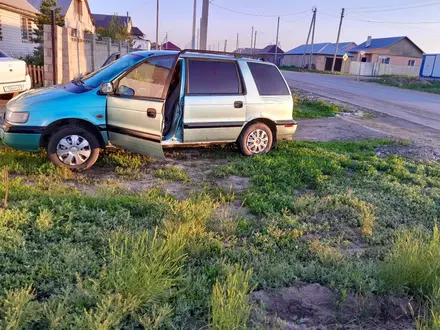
pixel 297 69
pixel 310 109
pixel 332 213
pixel 172 173
pixel 429 86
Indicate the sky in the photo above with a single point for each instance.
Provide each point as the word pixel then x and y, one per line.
pixel 376 18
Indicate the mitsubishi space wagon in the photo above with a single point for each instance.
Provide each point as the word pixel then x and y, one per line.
pixel 150 100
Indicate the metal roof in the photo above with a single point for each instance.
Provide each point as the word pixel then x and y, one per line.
pixel 63 4
pixel 325 48
pixel 21 4
pixel 103 20
pixel 135 31
pixel 377 43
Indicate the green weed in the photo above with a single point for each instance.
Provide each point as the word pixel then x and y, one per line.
pixel 172 173
pixel 314 109
pixel 230 301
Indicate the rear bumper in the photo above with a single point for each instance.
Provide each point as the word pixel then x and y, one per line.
pixel 286 129
pixel 23 86
pixel 18 137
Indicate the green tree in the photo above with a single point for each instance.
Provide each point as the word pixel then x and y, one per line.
pixel 44 18
pixel 115 30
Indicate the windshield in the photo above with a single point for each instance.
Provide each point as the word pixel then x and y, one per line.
pixel 3 54
pixel 110 71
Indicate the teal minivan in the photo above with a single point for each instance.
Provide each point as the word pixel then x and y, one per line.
pixel 150 100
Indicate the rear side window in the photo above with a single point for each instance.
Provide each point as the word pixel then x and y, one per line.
pixel 210 77
pixel 268 79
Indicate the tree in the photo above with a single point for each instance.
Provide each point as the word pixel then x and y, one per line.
pixel 115 30
pixel 44 18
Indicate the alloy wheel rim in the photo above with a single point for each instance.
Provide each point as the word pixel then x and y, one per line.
pixel 73 150
pixel 257 141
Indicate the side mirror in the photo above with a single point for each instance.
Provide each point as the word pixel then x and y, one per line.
pixel 106 88
pixel 126 91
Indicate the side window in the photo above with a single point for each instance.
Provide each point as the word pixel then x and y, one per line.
pixel 268 79
pixel 211 77
pixel 147 79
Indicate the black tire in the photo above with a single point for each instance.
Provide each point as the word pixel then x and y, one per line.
pixel 83 135
pixel 249 149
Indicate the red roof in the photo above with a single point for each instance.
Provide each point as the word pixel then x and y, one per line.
pixel 169 46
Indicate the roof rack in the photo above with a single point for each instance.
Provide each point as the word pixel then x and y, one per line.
pixel 213 52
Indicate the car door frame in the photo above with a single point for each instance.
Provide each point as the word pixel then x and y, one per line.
pixel 194 128
pixel 142 138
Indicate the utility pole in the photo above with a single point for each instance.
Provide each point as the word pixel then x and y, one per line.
pixel 204 25
pixel 276 42
pixel 313 39
pixel 255 42
pixel 308 37
pixel 226 45
pixel 193 41
pixel 198 39
pixel 237 44
pixel 337 40
pixel 218 46
pixel 252 39
pixel 166 40
pixel 157 25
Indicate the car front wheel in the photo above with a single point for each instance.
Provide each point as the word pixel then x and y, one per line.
pixel 73 147
pixel 257 139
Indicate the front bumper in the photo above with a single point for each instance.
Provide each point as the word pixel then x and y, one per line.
pixel 20 137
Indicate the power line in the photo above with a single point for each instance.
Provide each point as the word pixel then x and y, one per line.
pixel 386 5
pixel 396 9
pixel 382 22
pixel 258 15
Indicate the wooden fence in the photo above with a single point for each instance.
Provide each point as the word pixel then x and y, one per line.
pixel 37 75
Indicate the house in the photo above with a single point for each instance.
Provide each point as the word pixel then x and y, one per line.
pixel 17 24
pixel 77 15
pixel 395 50
pixel 268 52
pixel 103 21
pixel 322 56
pixel 166 46
pixel 139 39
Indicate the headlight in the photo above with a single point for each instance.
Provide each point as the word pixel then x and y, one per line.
pixel 17 117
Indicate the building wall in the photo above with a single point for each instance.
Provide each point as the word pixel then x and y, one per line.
pixel 318 60
pixel 77 56
pixel 12 43
pixel 81 23
pixel 405 48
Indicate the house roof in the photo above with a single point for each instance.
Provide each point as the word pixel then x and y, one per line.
pixel 63 4
pixel 135 31
pixel 342 45
pixel 103 20
pixel 170 46
pixel 380 43
pixel 22 5
pixel 271 49
pixel 325 48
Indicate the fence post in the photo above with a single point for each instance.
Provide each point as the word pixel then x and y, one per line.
pixel 109 46
pixel 34 75
pixel 120 46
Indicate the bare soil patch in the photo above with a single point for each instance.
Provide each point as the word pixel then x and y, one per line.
pixel 312 306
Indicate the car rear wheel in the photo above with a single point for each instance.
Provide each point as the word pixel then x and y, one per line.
pixel 73 147
pixel 257 139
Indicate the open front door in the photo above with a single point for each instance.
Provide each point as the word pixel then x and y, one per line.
pixel 135 111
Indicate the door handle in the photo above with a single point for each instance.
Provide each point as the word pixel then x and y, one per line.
pixel 238 104
pixel 151 113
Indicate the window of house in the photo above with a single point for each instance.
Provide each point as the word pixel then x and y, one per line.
pixel 386 60
pixel 411 63
pixel 268 79
pixel 26 28
pixel 77 7
pixel 148 79
pixel 213 77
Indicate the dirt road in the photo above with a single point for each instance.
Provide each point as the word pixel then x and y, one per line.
pixel 412 106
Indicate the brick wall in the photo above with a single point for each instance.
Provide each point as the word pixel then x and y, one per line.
pixel 77 56
pixel 12 42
